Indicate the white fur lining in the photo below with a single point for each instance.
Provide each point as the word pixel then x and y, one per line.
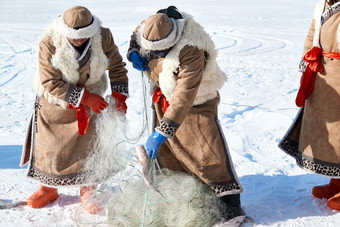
pixel 317 18
pixel 64 60
pixel 167 42
pixel 213 78
pixel 81 33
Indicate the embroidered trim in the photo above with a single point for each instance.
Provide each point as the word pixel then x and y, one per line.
pixel 37 107
pixel 167 128
pixel 223 189
pixel 333 9
pixel 120 86
pixel 73 95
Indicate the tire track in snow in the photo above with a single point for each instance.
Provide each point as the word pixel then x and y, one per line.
pixel 246 44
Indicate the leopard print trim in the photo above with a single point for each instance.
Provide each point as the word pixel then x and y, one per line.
pixel 303 65
pixel 290 147
pixel 308 163
pixel 318 168
pixel 226 188
pixel 69 180
pixel 167 127
pixel 73 95
pixel 121 87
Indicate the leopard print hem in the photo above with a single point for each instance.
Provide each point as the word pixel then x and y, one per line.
pixel 56 181
pixel 308 163
pixel 223 189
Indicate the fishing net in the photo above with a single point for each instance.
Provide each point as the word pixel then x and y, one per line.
pixel 173 199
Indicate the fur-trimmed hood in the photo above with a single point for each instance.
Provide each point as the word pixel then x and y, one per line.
pixel 193 35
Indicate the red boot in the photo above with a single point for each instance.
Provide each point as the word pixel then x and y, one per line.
pixel 334 202
pixel 42 197
pixel 327 191
pixel 90 205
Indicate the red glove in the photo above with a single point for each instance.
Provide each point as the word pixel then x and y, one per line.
pixel 96 103
pixel 120 101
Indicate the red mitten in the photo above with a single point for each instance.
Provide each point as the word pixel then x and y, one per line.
pixel 120 101
pixel 95 102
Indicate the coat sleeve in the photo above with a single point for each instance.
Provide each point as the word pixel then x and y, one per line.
pixel 133 42
pixel 192 63
pixel 117 71
pixel 51 78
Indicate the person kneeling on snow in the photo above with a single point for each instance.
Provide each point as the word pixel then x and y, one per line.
pixel 180 59
pixel 74 53
pixel 313 139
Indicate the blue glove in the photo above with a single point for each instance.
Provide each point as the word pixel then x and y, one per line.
pixel 138 62
pixel 153 143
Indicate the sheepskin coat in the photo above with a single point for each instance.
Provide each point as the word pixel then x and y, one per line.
pixel 190 78
pixel 54 149
pixel 314 137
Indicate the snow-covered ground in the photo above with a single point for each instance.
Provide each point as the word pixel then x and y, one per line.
pixel 260 44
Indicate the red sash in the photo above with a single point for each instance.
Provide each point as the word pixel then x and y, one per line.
pixel 83 118
pixel 158 96
pixel 308 77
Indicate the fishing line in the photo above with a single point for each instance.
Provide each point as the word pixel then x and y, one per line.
pixel 147 193
pixel 145 118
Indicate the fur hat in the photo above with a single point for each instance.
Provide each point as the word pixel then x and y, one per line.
pixel 78 23
pixel 159 32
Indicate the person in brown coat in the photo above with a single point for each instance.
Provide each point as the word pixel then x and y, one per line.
pixel 74 54
pixel 314 137
pixel 180 59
